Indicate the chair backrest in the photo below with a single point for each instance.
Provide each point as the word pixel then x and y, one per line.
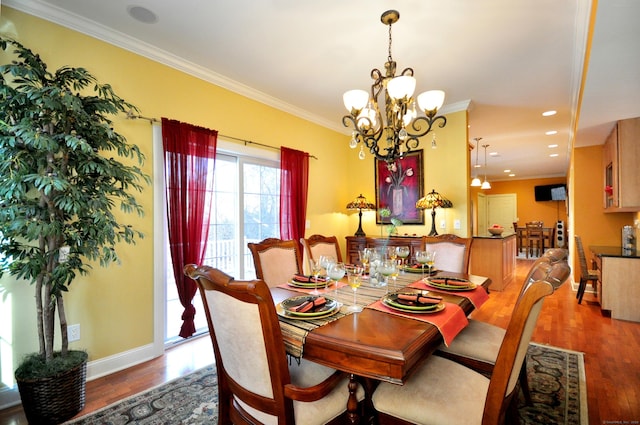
pixel 517 338
pixel 275 260
pixel 317 245
pixel 452 252
pixel 249 350
pixel 515 226
pixel 584 269
pixel 534 229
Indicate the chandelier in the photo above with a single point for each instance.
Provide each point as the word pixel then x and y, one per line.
pixel 390 127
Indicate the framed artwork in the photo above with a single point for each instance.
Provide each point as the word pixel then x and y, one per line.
pixel 398 187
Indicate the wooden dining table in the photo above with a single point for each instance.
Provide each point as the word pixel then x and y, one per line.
pixel 373 345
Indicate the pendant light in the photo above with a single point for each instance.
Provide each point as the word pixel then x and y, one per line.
pixel 476 180
pixel 485 183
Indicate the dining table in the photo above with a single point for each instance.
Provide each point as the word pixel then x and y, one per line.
pixel 376 344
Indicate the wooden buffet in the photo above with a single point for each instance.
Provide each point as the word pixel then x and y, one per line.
pixel 358 243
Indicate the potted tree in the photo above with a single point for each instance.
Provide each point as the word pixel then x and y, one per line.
pixel 60 180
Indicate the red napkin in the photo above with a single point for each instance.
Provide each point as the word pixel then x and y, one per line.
pixel 308 279
pixel 449 321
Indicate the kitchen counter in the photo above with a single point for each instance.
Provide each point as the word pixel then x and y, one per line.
pixel 618 288
pixel 613 251
pixel 488 235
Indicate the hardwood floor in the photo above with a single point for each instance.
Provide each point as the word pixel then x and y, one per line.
pixel 611 347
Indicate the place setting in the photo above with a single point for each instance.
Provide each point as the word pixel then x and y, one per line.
pixel 306 307
pixel 414 302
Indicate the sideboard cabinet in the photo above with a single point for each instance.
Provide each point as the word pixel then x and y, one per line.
pixel 358 243
pixel 621 154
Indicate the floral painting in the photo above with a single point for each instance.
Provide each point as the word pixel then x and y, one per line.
pixel 398 186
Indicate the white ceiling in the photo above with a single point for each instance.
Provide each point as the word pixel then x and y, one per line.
pixel 511 60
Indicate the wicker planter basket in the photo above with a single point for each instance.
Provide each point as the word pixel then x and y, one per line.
pixel 54 400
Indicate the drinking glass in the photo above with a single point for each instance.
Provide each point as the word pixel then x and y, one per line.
pixel 354 277
pixel 336 272
pixel 325 262
pixel 422 257
pixel 392 254
pixel 388 268
pixel 431 259
pixel 316 268
pixel 403 252
pixel 364 258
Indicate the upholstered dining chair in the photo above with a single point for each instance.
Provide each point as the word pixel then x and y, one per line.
pixel 276 260
pixel 586 275
pixel 257 384
pixel 477 345
pixel 317 245
pixel 444 392
pixel 452 252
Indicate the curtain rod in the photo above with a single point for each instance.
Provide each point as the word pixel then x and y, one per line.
pixel 132 116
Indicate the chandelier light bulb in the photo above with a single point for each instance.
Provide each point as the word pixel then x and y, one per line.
pixel 401 87
pixel 431 100
pixel 355 100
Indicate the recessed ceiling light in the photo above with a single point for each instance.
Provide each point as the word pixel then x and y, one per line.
pixel 553 145
pixel 507 171
pixel 512 175
pixel 551 133
pixel 142 14
pixel 549 113
pixel 493 154
pixel 553 155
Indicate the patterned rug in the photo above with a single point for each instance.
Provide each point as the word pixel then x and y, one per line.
pixel 556 379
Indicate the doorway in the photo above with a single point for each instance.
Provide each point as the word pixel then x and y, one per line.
pixel 497 209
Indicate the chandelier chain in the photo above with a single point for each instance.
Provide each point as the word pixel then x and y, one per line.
pixel 389 58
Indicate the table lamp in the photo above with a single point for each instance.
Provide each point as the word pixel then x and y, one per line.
pixel 360 203
pixel 433 200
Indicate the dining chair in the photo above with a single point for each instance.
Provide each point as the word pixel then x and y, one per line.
pixel 317 245
pixel 520 236
pixel 257 383
pixel 534 237
pixel 442 391
pixel 452 252
pixel 586 275
pixel 276 260
pixel 477 345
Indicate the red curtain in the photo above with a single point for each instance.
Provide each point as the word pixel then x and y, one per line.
pixel 189 155
pixel 294 182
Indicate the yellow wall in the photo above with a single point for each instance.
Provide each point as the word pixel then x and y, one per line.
pixel 115 305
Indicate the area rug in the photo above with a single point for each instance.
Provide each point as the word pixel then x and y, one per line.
pixel 556 380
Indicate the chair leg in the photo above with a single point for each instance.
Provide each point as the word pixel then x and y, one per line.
pixel 524 383
pixel 581 289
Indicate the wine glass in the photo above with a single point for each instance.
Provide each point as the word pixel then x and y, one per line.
pixel 325 262
pixel 431 259
pixel 354 277
pixel 336 272
pixel 392 254
pixel 403 252
pixel 388 268
pixel 422 257
pixel 316 268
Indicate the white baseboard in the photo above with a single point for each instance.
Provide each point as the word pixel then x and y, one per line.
pixel 99 368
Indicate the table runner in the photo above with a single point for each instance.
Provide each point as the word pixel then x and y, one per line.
pixel 295 331
pixel 449 321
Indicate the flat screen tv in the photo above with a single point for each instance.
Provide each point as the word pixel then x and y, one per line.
pixel 551 192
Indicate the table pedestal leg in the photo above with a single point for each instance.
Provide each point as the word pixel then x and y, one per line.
pixel 352 403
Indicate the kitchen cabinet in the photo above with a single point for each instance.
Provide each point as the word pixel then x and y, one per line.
pixel 618 289
pixel 621 153
pixel 495 257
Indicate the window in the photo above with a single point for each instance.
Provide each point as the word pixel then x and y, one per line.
pixel 246 208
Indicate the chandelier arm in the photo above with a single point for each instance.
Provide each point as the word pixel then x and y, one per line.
pixel 407 72
pixel 416 125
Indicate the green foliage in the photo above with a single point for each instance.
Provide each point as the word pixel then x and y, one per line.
pixel 61 178
pixel 34 366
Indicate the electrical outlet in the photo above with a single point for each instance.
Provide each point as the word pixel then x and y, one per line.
pixel 63 255
pixel 442 224
pixel 73 332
